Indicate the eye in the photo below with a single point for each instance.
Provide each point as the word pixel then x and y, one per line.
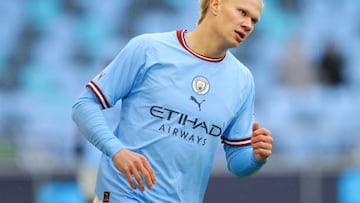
pixel 254 21
pixel 242 11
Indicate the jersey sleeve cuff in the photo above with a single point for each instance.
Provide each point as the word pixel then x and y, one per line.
pixel 113 146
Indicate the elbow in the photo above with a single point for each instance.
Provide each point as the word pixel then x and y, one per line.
pixel 73 114
pixel 74 111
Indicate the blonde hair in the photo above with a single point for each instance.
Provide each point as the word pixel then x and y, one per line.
pixel 204 6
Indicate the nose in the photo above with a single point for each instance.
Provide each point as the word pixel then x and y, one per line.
pixel 247 24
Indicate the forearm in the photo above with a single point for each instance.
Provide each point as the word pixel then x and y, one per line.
pixel 87 114
pixel 241 161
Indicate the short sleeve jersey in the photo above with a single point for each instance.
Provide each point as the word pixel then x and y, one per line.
pixel 177 106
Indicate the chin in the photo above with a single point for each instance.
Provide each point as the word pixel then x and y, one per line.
pixel 235 44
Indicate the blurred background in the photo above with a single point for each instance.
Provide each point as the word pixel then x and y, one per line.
pixel 304 55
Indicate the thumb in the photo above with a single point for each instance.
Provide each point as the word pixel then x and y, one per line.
pixel 256 126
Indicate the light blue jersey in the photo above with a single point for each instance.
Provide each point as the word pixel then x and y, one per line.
pixel 177 106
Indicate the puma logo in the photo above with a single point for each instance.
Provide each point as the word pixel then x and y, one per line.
pixel 198 103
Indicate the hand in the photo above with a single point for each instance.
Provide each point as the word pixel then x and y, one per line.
pixel 133 164
pixel 261 141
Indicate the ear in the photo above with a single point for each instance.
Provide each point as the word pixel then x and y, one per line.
pixel 214 6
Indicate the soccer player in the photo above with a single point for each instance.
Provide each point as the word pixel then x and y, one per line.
pixel 182 92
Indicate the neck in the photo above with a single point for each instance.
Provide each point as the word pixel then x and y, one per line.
pixel 206 43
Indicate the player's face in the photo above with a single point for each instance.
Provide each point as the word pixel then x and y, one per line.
pixel 235 19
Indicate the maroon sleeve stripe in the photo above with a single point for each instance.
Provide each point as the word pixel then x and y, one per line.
pixel 99 95
pixel 239 143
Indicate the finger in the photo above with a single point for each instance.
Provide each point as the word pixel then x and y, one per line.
pixel 265 131
pixel 144 172
pixel 147 177
pixel 256 126
pixel 262 145
pixel 261 131
pixel 138 179
pixel 262 153
pixel 150 171
pixel 148 174
pixel 262 138
pixel 130 180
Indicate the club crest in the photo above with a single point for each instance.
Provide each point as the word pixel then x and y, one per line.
pixel 200 85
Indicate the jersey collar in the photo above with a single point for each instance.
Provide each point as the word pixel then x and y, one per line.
pixel 181 37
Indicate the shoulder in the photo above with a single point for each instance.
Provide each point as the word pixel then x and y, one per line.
pixel 154 38
pixel 238 67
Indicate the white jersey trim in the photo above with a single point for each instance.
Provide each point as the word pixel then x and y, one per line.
pixel 239 143
pixel 99 95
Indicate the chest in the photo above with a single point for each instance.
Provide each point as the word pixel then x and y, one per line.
pixel 204 94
